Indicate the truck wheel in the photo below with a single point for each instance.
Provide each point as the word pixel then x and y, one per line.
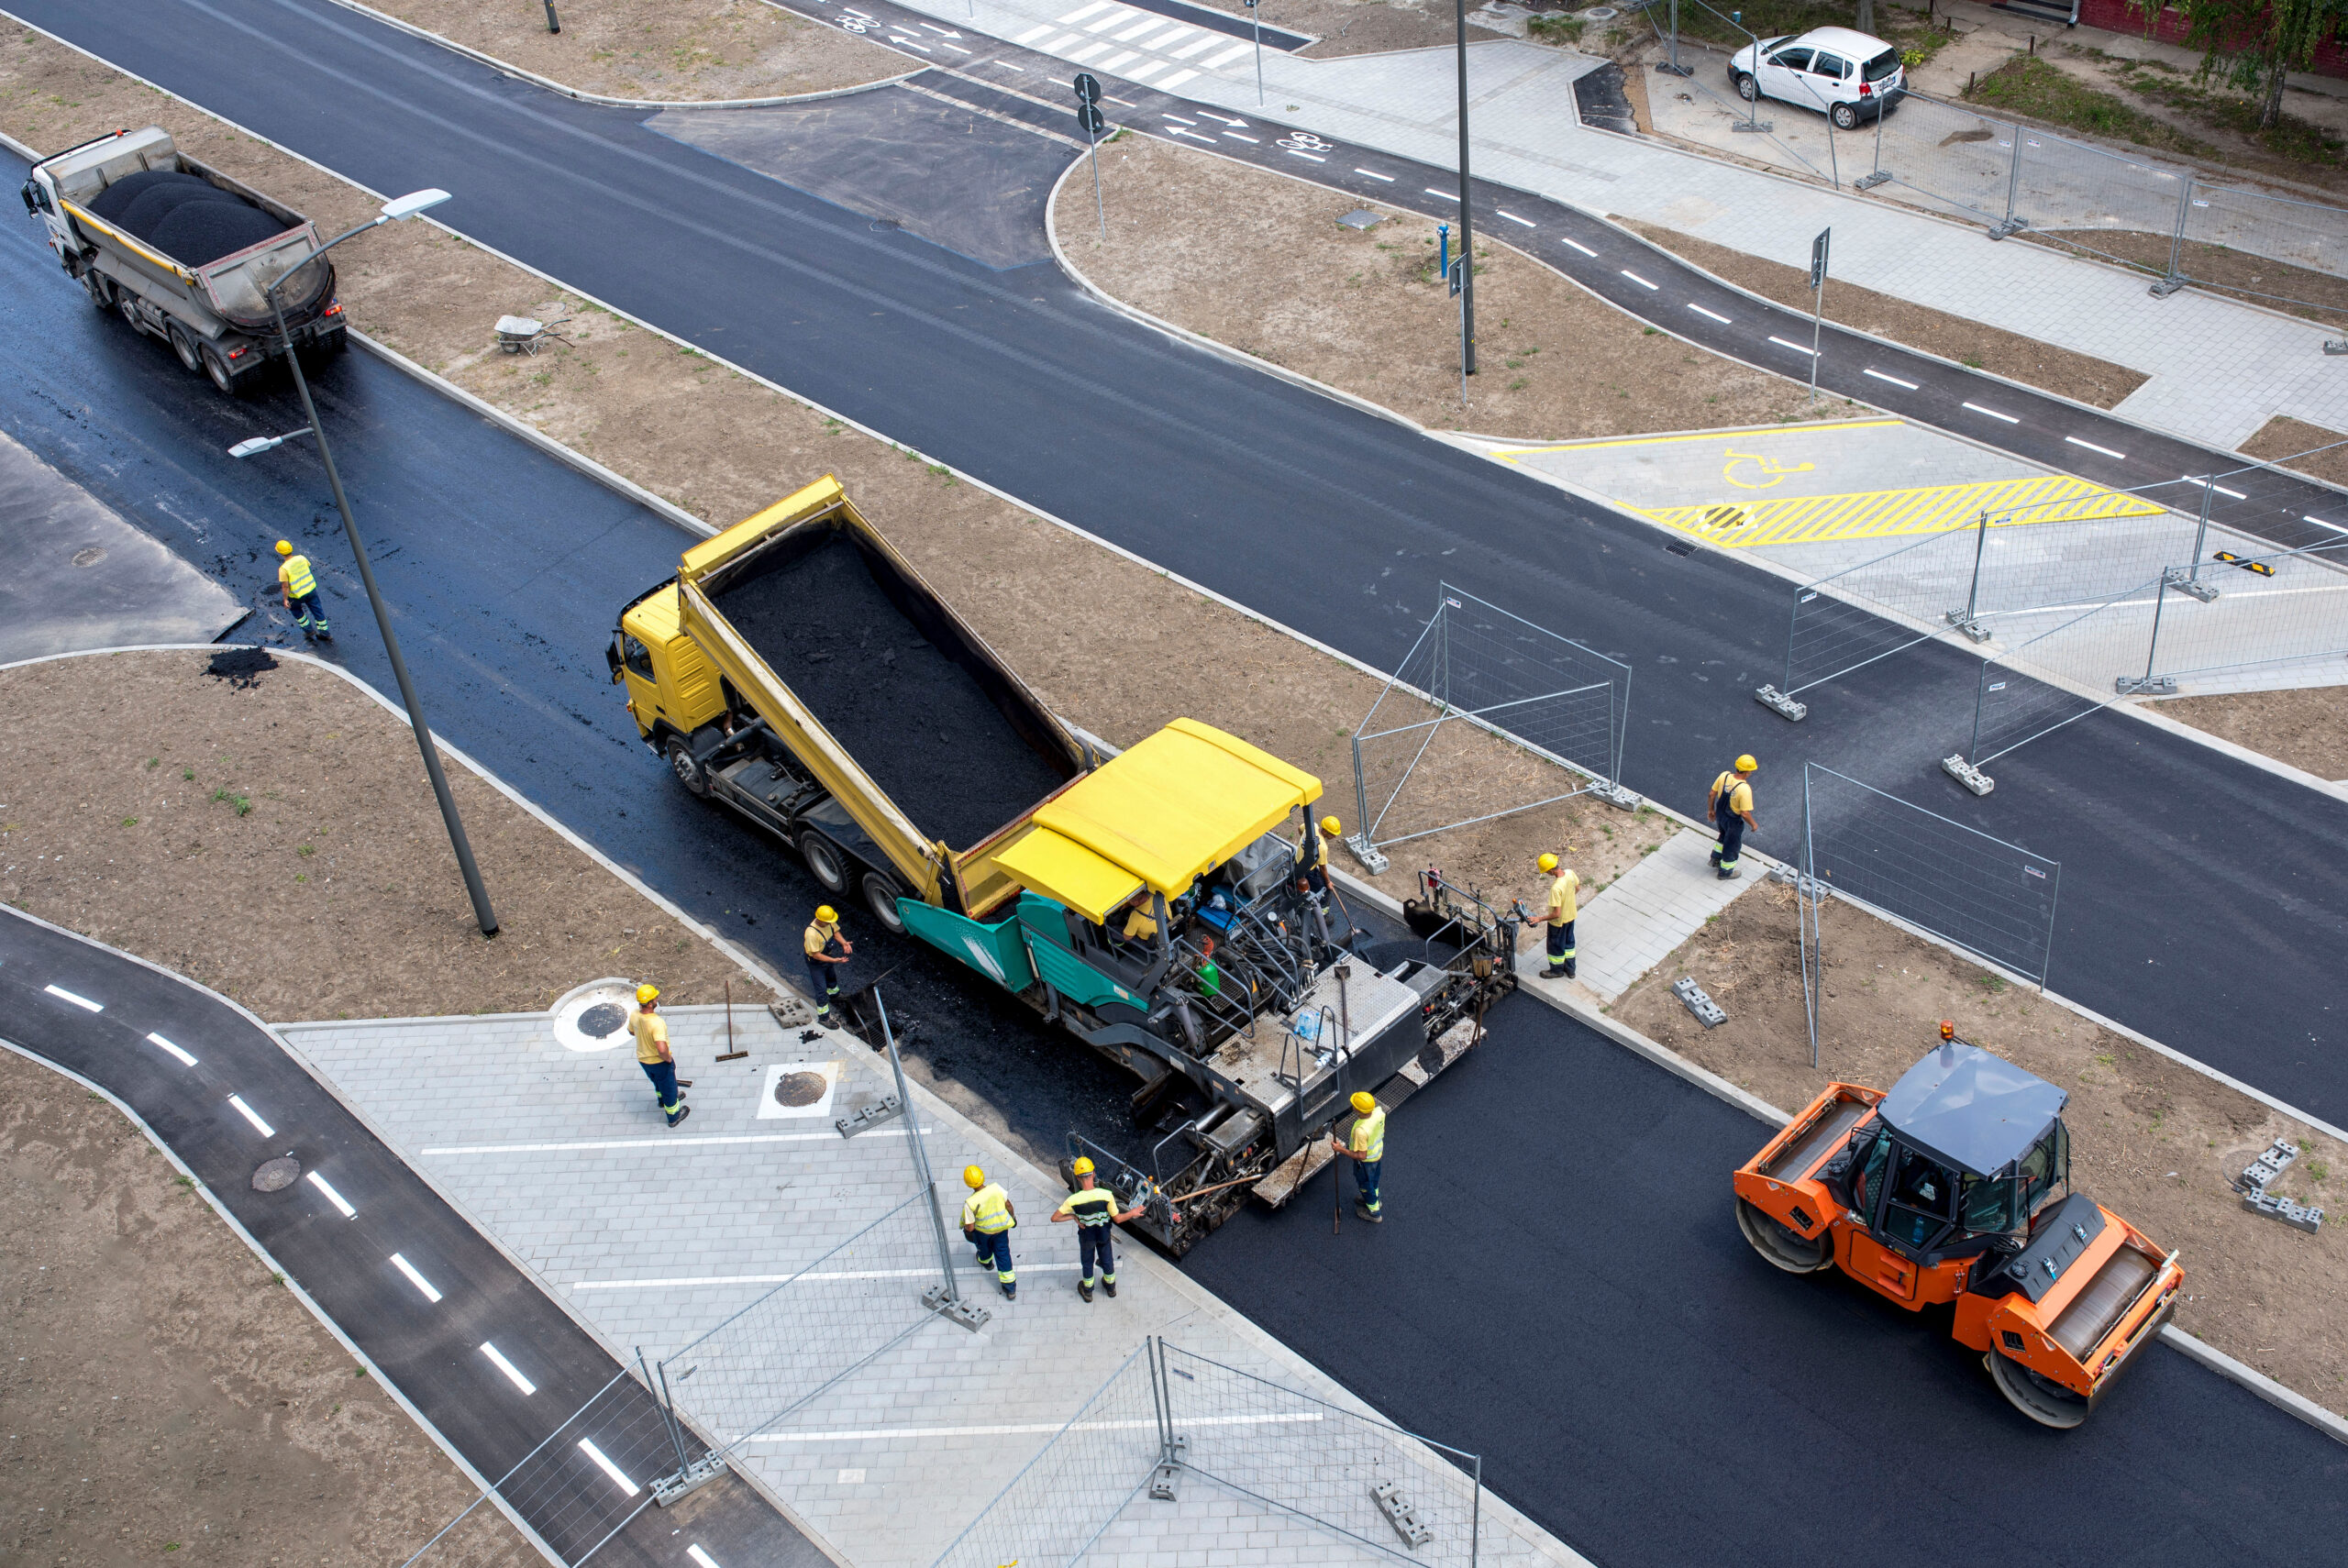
pixel 126 304
pixel 1783 1247
pixel 215 364
pixel 185 346
pixel 2039 1398
pixel 101 291
pixel 881 896
pixel 690 774
pixel 824 859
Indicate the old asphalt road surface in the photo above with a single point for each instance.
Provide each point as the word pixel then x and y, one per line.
pixel 1318 515
pixel 208 1080
pixel 506 569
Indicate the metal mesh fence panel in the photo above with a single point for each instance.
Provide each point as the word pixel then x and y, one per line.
pixel 2273 611
pixel 586 1480
pixel 811 1332
pixel 1061 1500
pixel 1981 893
pixel 2091 651
pixel 2304 234
pixel 1320 1461
pixel 1852 618
pixel 480 1537
pixel 1478 671
pixel 1951 157
pixel 2120 208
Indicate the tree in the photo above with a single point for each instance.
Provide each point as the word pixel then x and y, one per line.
pixel 2250 44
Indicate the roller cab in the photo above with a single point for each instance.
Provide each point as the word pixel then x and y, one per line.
pixel 1953 1188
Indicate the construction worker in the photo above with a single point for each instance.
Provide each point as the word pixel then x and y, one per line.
pixel 1565 890
pixel 1367 1149
pixel 828 955
pixel 652 1053
pixel 299 587
pixel 1094 1210
pixel 1730 806
pixel 1312 855
pixel 987 1220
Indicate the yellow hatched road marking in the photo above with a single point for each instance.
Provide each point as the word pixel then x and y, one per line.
pixel 1886 513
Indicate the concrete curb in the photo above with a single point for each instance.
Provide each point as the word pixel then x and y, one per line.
pixel 602 100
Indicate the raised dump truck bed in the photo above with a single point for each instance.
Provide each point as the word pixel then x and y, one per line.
pixel 1155 905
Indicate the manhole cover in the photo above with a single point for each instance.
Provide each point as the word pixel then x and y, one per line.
pixel 603 1021
pixel 90 555
pixel 800 1088
pixel 277 1175
pixel 1600 14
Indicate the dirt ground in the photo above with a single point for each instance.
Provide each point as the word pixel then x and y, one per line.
pixel 1260 262
pixel 166 1400
pixel 1361 27
pixel 1099 636
pixel 138 789
pixel 2007 354
pixel 675 50
pixel 2279 438
pixel 2306 727
pixel 2152 1141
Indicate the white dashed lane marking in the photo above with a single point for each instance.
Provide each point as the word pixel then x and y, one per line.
pixel 1796 348
pixel 160 1043
pixel 1513 218
pixel 2118 456
pixel 2189 479
pixel 497 1360
pixel 333 1196
pixel 1993 413
pixel 1585 250
pixel 1375 175
pixel 63 995
pixel 1637 279
pixel 415 1278
pixel 1716 316
pixel 249 1114
pixel 619 1476
pixel 1895 381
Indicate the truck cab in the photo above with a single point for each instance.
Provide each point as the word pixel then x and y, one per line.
pixel 1945 1190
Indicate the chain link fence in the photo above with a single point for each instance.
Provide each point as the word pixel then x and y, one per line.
pixel 1210 1445
pixel 1989 896
pixel 1476 669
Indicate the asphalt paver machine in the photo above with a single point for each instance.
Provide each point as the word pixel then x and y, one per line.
pixel 1944 1191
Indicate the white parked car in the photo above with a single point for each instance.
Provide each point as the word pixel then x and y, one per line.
pixel 1835 71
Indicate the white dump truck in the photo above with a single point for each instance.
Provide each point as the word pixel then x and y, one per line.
pixel 184 253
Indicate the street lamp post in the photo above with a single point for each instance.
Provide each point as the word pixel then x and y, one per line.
pixel 1467 225
pixel 401 208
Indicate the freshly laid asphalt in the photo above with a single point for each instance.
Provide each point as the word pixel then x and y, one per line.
pixel 2203 898
pixel 429 1349
pixel 506 570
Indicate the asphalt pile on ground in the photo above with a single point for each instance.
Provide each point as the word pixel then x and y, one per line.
pixel 240 667
pixel 914 719
pixel 183 216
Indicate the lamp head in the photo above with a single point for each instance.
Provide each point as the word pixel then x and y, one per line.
pixel 400 208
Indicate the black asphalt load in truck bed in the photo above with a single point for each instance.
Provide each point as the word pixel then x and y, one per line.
pixel 916 721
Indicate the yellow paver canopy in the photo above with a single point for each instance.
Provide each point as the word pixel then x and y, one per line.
pixel 1181 803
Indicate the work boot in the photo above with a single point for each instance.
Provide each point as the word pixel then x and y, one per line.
pixel 1556 972
pixel 1729 876
pixel 1363 1210
pixel 308 635
pixel 1110 1287
pixel 1569 968
pixel 1084 1288
pixel 1716 859
pixel 685 1083
pixel 1011 1293
pixel 683 1111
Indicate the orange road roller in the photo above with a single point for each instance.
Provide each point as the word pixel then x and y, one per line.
pixel 1945 1190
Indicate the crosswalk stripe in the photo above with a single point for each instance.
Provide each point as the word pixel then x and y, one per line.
pixel 1032 34
pixel 1216 62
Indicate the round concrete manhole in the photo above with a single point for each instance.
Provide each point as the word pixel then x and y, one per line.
pixel 277 1175
pixel 603 1021
pixel 89 555
pixel 800 1088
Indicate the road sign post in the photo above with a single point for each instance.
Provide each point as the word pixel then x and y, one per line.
pixel 1256 20
pixel 1088 115
pixel 1818 301
pixel 1456 275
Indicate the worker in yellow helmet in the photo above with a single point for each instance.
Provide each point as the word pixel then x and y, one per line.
pixel 828 955
pixel 987 1220
pixel 1094 1210
pixel 1366 1149
pixel 1565 900
pixel 653 1055
pixel 299 586
pixel 1312 855
pixel 1731 809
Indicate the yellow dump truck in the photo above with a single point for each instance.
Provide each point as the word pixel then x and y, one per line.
pixel 798 670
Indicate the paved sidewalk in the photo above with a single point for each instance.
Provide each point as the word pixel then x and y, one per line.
pixel 2219 370
pixel 1643 916
pixel 652 1237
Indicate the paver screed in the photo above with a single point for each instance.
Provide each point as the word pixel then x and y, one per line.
pixel 652 1237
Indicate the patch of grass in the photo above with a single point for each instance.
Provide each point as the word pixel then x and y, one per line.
pixel 244 806
pixel 2028 85
pixel 1993 984
pixel 1553 27
pixel 130 822
pixel 153 762
pixel 2298 141
pixel 2317 1170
